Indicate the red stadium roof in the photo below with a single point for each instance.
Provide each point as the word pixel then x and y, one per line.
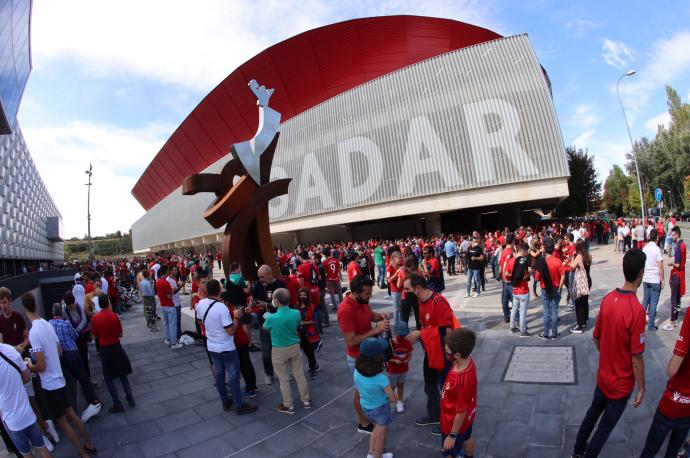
pixel 305 70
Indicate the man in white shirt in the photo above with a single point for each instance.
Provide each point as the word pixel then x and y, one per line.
pixel 171 278
pixel 17 415
pixel 104 285
pixel 576 235
pixel 220 344
pixel 155 269
pixel 653 279
pixel 45 351
pixel 78 291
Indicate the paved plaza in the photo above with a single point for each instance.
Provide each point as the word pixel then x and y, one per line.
pixel 178 412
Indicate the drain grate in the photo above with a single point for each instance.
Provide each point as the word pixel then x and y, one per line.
pixel 547 365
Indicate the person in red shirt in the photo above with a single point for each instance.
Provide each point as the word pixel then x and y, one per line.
pixel 549 272
pixel 437 318
pixel 333 279
pixel 619 337
pixel 355 318
pixel 431 269
pixel 507 291
pixel 353 267
pixel 677 279
pixel 517 272
pixel 106 327
pixel 398 365
pixel 568 253
pixel 459 394
pixel 673 414
pixel 165 293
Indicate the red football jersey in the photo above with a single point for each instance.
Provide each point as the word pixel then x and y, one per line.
pixel 459 394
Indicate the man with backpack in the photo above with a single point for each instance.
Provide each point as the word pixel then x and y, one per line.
pixel 550 274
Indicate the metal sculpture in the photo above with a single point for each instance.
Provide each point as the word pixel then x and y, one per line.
pixel 242 205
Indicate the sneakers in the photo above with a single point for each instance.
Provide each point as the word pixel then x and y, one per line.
pixel 514 330
pixel 368 429
pixel 176 346
pixel 426 421
pixel 91 411
pixel 577 330
pixel 268 380
pixel 312 375
pixel 249 394
pixel 475 295
pixel 669 326
pixel 52 432
pixel 524 334
pixel 652 328
pixel 555 336
pixel 167 342
pixel 436 431
pixel 388 296
pixel 49 445
pixel 307 405
pixel 400 407
pixel 383 455
pixel 543 336
pixel 466 296
pixel 227 404
pixel 287 410
pixel 246 408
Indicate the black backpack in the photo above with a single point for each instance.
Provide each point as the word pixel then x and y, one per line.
pixel 521 266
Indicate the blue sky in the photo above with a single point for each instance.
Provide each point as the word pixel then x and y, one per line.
pixel 112 80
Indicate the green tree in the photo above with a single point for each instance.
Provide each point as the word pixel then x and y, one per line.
pixel 584 187
pixel 616 190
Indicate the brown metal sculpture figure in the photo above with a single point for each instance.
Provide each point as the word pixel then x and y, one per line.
pixel 243 205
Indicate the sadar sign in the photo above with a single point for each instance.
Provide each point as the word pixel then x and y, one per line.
pixel 476 117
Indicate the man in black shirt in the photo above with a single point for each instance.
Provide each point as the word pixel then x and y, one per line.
pixel 262 295
pixel 475 261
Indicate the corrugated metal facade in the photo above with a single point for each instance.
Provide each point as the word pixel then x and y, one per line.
pixel 479 116
pixel 476 117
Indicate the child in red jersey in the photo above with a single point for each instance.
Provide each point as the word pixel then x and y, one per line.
pixel 398 365
pixel 459 395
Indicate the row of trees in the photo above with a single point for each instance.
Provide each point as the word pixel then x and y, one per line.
pixel 115 244
pixel 664 163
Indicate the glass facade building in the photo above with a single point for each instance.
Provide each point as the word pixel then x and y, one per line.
pixel 15 58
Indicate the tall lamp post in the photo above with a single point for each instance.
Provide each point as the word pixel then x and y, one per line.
pixel 88 212
pixel 632 144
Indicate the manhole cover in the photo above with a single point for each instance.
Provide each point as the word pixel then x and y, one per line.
pixel 543 365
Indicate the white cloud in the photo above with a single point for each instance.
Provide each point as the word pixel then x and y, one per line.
pixel 617 54
pixel 585 116
pixel 62 154
pixel 583 140
pixel 662 119
pixel 668 60
pixel 197 44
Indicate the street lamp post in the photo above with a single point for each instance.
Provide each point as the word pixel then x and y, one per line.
pixel 632 144
pixel 88 211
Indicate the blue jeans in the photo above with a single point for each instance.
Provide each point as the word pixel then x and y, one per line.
pixel 652 291
pixel 397 298
pixel 27 437
pixel 227 362
pixel 520 303
pixel 170 317
pixel 71 360
pixel 474 275
pixel 382 275
pixel 661 426
pixel 610 411
pixel 506 295
pixel 550 302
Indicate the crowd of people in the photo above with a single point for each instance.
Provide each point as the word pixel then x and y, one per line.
pixel 289 310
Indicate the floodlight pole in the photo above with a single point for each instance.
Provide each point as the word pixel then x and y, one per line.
pixel 88 212
pixel 632 144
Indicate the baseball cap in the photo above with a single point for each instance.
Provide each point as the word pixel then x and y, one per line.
pixel 372 347
pixel 401 329
pixel 77 276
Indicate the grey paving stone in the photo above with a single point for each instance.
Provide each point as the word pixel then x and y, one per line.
pixel 165 443
pixel 547 430
pixel 128 451
pixel 509 438
pixel 536 451
pixel 516 407
pixel 178 420
pixel 216 447
pixel 292 440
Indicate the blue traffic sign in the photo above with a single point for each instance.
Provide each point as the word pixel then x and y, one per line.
pixel 658 195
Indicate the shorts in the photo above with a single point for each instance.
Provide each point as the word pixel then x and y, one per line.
pixel 26 438
pixel 380 416
pixel 56 402
pixel 457 449
pixel 394 379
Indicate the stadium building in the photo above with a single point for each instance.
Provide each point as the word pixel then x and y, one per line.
pixel 30 223
pixel 390 126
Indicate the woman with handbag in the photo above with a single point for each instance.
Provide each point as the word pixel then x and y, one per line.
pixel 310 339
pixel 581 285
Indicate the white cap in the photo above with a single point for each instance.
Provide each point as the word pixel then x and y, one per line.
pixel 77 276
